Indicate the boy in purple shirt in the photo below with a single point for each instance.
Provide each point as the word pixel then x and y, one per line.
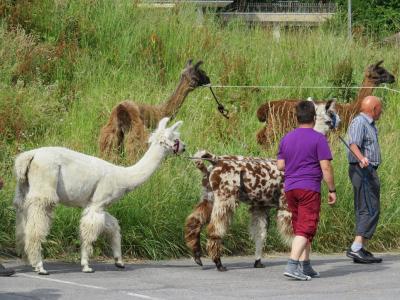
pixel 305 157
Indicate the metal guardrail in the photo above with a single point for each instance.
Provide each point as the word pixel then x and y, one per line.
pixel 285 7
pixel 172 3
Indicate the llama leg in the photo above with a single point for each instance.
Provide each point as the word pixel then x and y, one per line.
pixel 284 225
pixel 20 221
pixel 267 135
pixel 114 232
pixel 258 231
pixel 38 221
pixel 220 219
pixel 195 221
pixel 91 226
pixel 262 137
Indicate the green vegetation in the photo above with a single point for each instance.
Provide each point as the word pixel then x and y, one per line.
pixel 65 64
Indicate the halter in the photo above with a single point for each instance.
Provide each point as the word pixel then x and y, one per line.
pixel 169 146
pixel 176 146
pixel 335 120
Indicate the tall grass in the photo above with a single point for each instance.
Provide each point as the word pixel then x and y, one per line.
pixel 65 64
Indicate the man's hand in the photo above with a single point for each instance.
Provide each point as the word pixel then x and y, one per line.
pixel 364 162
pixel 331 198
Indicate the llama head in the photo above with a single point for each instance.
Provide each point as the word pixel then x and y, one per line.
pixel 378 74
pixel 168 137
pixel 326 117
pixel 194 75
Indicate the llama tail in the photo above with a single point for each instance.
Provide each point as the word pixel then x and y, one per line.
pixel 21 166
pixel 21 169
pixel 112 135
pixel 194 223
pixel 284 225
pixel 204 155
pixel 263 111
pixel 124 129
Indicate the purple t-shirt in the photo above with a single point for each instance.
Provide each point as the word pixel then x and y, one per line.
pixel 302 149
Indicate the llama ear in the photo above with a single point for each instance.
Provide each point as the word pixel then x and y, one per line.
pixel 163 123
pixel 379 63
pixel 312 100
pixel 200 62
pixel 176 126
pixel 189 63
pixel 330 105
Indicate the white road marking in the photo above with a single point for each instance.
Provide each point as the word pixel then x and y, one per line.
pixel 141 296
pixel 65 282
pixel 87 286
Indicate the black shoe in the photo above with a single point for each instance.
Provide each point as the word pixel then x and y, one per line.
pixel 369 254
pixel 6 272
pixel 359 256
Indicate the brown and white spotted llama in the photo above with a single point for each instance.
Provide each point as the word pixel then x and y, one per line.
pixel 226 182
pixel 230 180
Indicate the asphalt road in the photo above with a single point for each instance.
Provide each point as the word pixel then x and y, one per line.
pixel 182 279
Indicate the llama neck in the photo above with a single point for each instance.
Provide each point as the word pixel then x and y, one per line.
pixel 145 167
pixel 321 128
pixel 367 89
pixel 171 107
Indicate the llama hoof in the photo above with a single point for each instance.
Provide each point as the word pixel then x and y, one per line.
pixel 198 261
pixel 87 269
pixel 219 265
pixel 120 265
pixel 222 268
pixel 43 272
pixel 258 264
pixel 40 270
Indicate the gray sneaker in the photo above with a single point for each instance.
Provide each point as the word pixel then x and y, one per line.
pixel 308 270
pixel 297 274
pixel 311 272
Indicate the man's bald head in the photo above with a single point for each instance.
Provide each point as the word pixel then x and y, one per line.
pixel 372 106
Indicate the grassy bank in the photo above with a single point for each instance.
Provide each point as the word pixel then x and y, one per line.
pixel 64 65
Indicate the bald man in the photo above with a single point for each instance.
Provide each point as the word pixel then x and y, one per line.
pixel 364 161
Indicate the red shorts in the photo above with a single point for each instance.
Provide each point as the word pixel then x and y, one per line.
pixel 305 207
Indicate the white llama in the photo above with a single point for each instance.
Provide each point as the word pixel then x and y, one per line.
pixel 51 175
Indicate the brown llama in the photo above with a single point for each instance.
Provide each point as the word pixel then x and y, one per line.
pixel 230 180
pixel 129 122
pixel 279 115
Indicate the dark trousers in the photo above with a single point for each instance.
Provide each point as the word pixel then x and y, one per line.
pixel 366 188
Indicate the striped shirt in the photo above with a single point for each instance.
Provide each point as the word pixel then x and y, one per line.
pixel 363 132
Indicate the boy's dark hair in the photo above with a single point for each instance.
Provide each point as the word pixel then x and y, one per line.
pixel 305 112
